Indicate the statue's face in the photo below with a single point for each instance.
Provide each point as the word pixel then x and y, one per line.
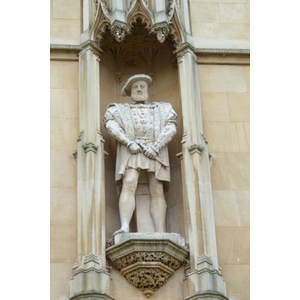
pixel 139 91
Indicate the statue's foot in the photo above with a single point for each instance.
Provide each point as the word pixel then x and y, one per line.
pixel 120 231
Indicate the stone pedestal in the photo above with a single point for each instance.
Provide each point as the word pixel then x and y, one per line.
pixel 147 260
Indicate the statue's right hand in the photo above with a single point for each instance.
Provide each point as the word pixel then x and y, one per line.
pixel 135 148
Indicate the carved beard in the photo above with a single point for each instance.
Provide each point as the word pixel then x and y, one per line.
pixel 142 97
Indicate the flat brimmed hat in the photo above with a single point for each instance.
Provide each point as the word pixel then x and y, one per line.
pixel 126 90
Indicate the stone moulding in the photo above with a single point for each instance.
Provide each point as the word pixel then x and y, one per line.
pixel 207 295
pixel 147 261
pixel 92 295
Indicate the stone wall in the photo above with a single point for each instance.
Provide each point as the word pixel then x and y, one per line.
pixel 65 21
pixel 226 115
pixel 225 112
pixel 64 115
pixel 221 23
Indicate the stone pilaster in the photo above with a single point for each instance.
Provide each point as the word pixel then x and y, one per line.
pixel 204 275
pixel 90 277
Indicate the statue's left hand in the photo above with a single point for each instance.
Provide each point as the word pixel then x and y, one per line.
pixel 150 153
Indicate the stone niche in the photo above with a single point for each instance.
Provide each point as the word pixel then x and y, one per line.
pixel 147 260
pixel 141 53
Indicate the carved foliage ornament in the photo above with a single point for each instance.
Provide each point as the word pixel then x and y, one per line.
pixel 147 263
pixel 161 31
pixel 164 258
pixel 147 277
pixel 119 31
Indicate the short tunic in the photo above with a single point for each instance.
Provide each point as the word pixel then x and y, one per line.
pixel 141 123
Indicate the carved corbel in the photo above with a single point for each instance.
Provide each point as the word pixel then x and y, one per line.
pixel 143 266
pixel 119 30
pixel 161 31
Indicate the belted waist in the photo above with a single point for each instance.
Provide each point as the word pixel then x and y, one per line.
pixel 145 138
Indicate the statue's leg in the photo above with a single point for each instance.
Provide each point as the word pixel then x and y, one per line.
pixel 158 206
pixel 127 198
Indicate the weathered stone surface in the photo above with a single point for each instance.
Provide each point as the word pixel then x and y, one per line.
pixel 147 260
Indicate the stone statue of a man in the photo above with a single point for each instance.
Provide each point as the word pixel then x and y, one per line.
pixel 142 131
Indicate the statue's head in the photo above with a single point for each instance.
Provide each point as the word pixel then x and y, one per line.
pixel 137 87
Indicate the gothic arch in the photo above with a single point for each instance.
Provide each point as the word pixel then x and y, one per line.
pixel 139 11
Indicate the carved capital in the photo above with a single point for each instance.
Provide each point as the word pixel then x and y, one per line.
pixel 90 46
pixel 184 49
pixel 161 31
pixel 119 31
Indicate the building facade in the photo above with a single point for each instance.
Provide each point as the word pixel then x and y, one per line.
pixel 198 56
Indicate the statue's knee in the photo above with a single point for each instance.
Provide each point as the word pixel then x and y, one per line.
pixel 157 190
pixel 129 184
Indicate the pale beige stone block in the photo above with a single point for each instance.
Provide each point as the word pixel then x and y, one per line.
pixel 247 75
pixel 227 136
pixel 206 42
pixel 60 275
pixel 204 12
pixel 51 9
pixel 241 131
pixel 219 172
pixel 233 245
pixel 239 106
pixel 65 31
pixel 237 278
pixel 63 169
pixel 66 9
pixel 64 103
pixel 63 204
pixel 239 170
pixel 231 208
pixel 64 74
pixel 64 133
pixel 52 168
pixel 238 13
pixel 63 242
pixel 214 107
pixel 223 31
pixel 222 78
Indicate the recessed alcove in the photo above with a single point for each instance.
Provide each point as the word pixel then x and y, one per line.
pixel 139 53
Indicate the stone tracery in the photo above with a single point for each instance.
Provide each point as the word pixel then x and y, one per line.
pixel 138 12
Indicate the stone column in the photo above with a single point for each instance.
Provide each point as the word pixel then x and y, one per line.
pixel 90 278
pixel 203 278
